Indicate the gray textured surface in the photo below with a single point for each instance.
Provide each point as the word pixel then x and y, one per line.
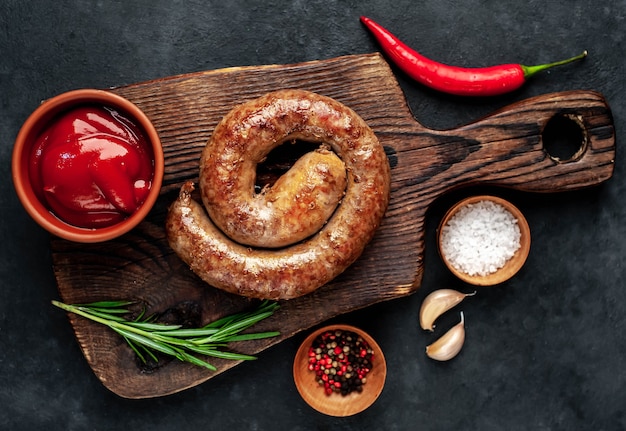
pixel 544 351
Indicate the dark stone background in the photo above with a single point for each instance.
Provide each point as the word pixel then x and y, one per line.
pixel 545 351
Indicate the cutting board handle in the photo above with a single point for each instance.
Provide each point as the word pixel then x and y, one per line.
pixel 510 148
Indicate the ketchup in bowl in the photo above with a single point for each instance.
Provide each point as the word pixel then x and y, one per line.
pixel 92 167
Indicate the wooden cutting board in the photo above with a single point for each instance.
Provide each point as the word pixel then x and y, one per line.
pixel 504 149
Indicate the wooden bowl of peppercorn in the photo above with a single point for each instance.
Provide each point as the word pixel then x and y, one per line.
pixel 339 370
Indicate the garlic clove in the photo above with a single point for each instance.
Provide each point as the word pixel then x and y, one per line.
pixel 450 343
pixel 437 303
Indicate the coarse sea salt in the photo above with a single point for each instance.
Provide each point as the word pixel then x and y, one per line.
pixel 480 238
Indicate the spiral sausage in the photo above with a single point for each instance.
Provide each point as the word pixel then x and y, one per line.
pixel 299 262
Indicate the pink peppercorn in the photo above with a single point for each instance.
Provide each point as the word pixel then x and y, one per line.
pixel 341 360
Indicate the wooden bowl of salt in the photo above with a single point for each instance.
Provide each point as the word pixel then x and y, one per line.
pixel 484 240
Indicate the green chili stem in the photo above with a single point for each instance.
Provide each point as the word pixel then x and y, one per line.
pixel 532 70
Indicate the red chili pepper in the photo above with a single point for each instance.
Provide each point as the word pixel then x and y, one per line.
pixel 483 81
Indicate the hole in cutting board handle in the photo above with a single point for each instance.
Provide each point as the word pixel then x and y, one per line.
pixel 564 138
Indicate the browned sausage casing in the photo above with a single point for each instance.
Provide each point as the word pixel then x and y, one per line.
pixel 227 174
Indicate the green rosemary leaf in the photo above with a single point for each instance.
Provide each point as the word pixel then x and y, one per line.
pixel 210 351
pixel 158 346
pixel 230 355
pixel 150 353
pixel 224 321
pixel 204 350
pixel 265 306
pixel 233 328
pixel 140 316
pixel 135 349
pixel 186 333
pixel 109 310
pixel 197 361
pixel 106 304
pixel 146 344
pixel 160 327
pixel 145 337
pixel 199 348
pixel 106 316
pixel 254 336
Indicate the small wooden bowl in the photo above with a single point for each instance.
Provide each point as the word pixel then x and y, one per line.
pixel 337 404
pixel 512 266
pixel 42 117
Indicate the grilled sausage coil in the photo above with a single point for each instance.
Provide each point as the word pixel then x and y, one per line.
pixel 304 230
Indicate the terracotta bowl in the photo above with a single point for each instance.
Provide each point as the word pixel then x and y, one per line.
pixel 40 119
pixel 336 404
pixel 512 266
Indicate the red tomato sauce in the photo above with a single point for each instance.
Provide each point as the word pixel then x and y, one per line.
pixel 92 167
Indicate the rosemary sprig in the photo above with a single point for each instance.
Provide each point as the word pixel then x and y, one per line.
pixel 146 337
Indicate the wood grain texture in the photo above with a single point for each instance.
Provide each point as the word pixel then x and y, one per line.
pixel 503 149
